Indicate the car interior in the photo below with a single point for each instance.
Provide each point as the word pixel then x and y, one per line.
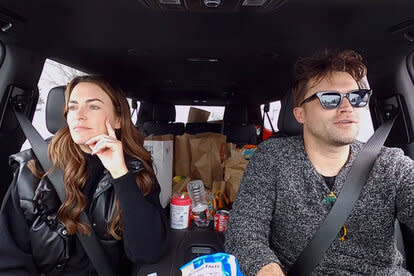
pixel 234 54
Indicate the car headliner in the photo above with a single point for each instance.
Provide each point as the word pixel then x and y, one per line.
pixel 251 54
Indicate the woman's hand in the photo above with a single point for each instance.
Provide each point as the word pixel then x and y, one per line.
pixel 109 150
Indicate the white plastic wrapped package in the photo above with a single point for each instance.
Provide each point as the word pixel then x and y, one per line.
pixel 218 264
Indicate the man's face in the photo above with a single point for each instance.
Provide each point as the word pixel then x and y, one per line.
pixel 337 126
pixel 88 109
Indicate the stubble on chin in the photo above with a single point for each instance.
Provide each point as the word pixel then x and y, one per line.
pixel 339 139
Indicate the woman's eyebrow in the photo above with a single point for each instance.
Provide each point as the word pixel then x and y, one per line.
pixel 88 101
pixel 93 100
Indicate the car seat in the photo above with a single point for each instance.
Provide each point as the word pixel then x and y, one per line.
pixel 194 128
pixel 163 118
pixel 54 109
pixel 237 127
pixel 144 115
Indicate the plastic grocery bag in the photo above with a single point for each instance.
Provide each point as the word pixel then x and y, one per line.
pixel 218 264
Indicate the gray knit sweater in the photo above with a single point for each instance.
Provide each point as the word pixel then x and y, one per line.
pixel 280 206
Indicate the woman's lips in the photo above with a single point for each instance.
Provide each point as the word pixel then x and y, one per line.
pixel 80 128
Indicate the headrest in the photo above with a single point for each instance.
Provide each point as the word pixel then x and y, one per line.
pixel 236 113
pixel 255 116
pixel 54 109
pixel 145 113
pixel 287 123
pixel 163 112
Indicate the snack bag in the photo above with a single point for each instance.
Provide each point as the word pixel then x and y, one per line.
pixel 247 151
pixel 218 264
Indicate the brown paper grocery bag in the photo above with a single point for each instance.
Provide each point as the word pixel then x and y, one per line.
pixel 205 157
pixel 234 168
pixel 182 155
pixel 180 186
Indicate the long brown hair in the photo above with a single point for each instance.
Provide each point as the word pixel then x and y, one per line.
pixel 68 156
pixel 322 64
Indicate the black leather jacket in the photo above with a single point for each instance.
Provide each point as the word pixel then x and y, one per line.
pixel 49 241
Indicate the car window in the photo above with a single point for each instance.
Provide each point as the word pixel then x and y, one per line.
pixel 216 112
pixel 53 74
pixel 274 110
pixel 366 128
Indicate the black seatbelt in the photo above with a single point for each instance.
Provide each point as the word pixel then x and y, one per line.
pixel 90 243
pixel 354 183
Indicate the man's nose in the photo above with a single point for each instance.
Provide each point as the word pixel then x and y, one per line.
pixel 346 105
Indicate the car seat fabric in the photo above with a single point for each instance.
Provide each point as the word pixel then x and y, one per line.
pixel 144 115
pixel 163 117
pixel 237 127
pixel 54 109
pixel 194 128
pixel 287 123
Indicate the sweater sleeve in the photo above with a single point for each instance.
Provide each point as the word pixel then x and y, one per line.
pixel 144 224
pixel 15 256
pixel 405 189
pixel 247 235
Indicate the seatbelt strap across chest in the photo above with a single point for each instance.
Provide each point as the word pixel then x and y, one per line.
pixel 354 183
pixel 90 243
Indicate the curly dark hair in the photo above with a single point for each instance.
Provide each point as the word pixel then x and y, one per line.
pixel 322 64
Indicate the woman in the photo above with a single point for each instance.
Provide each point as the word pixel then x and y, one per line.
pixel 107 173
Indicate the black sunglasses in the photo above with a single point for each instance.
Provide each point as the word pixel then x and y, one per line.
pixel 333 99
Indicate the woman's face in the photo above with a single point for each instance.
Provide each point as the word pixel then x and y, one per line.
pixel 88 109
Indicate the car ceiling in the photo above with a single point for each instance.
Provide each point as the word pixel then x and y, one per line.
pixel 252 54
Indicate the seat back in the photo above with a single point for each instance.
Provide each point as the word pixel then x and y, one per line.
pixel 287 123
pixel 237 127
pixel 163 117
pixel 144 115
pixel 194 128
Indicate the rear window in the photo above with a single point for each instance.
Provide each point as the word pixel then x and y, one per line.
pixel 216 112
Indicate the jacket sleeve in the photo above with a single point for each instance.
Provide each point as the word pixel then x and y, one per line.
pixel 15 256
pixel 404 177
pixel 144 223
pixel 247 235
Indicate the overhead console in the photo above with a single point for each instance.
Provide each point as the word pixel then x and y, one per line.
pixel 226 6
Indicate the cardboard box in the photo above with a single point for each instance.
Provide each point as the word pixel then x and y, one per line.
pixel 162 151
pixel 197 115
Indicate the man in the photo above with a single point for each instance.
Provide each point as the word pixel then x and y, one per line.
pixel 291 183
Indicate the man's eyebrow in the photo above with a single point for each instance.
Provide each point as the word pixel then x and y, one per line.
pixel 88 101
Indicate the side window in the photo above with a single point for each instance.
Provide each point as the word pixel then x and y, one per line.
pixel 53 74
pixel 181 111
pixel 274 110
pixel 134 109
pixel 366 128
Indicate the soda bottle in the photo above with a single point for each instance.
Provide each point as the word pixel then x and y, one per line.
pixel 199 207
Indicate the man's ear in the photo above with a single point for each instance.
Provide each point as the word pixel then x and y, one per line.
pixel 298 113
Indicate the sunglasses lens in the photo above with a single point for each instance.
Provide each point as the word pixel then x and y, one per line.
pixel 359 98
pixel 330 100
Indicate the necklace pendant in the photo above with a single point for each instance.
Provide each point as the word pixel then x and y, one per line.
pixel 329 200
